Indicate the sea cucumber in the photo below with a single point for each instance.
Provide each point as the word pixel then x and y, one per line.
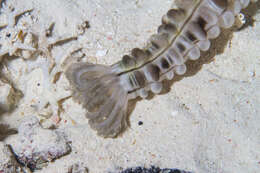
pixel 185 31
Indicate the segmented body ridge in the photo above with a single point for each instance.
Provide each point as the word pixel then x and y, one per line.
pixel 185 31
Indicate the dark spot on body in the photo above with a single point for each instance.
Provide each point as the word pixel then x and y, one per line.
pixel 191 37
pixel 155 46
pixel 140 78
pixel 133 80
pixel 154 71
pixel 167 28
pixel 128 61
pixel 202 23
pixel 221 3
pixel 181 47
pixel 165 63
pixel 176 15
pixel 170 59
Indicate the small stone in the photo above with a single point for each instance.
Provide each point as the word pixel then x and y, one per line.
pixel 140 123
pixel 30 40
pixel 35 146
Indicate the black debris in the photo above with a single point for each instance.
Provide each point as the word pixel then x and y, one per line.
pixel 153 169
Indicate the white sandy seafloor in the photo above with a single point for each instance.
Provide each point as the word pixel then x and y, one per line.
pixel 207 121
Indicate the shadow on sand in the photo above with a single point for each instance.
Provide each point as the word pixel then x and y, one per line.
pixel 217 47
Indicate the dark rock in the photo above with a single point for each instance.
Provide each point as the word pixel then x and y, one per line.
pixel 8 163
pixel 34 146
pixel 153 169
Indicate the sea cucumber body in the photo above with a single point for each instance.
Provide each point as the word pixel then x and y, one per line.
pixel 184 32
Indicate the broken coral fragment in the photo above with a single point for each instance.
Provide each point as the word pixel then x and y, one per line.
pixel 35 146
pixel 30 39
pixel 9 96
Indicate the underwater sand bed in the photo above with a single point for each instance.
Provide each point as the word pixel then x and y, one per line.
pixel 205 121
